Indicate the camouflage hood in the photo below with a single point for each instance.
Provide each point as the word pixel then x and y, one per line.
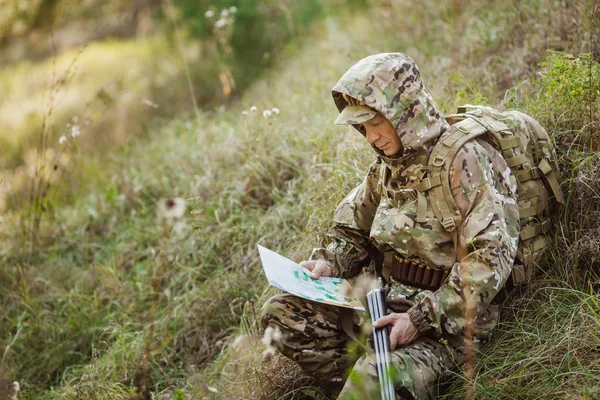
pixel 391 84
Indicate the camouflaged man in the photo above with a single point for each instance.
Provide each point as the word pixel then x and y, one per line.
pixel 440 284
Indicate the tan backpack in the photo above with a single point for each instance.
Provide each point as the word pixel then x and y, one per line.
pixel 529 153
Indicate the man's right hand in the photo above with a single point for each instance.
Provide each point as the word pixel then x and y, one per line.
pixel 317 268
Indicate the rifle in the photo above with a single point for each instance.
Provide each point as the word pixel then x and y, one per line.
pixel 381 338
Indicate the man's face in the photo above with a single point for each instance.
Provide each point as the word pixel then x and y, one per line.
pixel 381 133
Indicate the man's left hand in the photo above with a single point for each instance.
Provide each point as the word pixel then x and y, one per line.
pixel 403 330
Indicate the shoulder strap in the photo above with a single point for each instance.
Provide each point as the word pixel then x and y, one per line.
pixel 438 182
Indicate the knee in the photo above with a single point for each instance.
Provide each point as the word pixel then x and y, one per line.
pixel 278 308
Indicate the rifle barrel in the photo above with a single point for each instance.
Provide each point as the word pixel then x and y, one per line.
pixel 377 309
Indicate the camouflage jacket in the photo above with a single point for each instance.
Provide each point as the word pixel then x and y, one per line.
pixel 482 185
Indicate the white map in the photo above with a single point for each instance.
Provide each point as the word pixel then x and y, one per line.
pixel 286 275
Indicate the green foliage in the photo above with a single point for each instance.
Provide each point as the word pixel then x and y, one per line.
pixel 76 313
pixel 566 99
pixel 259 30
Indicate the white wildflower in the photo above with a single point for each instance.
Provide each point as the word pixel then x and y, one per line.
pixel 239 342
pixel 244 113
pixel 212 389
pixel 75 131
pixel 149 103
pixel 269 352
pixel 271 336
pixel 16 390
pixel 275 110
pixel 209 14
pixel 180 228
pixel 253 108
pixel 233 9
pixel 267 113
pixel 171 209
pixel 62 139
pixel 221 23
pixel 224 13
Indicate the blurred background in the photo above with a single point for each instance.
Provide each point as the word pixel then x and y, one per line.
pixel 110 67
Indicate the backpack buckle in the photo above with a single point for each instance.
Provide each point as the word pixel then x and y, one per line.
pixel 408 194
pixel 448 224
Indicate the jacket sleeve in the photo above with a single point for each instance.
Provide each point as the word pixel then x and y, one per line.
pixel 485 192
pixel 349 249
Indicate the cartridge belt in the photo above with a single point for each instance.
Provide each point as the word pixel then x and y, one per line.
pixel 415 274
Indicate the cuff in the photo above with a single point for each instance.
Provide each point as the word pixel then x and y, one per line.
pixel 419 319
pixel 326 255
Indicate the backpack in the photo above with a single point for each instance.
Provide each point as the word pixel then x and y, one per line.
pixel 530 155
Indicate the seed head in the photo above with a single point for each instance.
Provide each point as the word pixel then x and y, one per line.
pixel 209 14
pixel 62 139
pixel 267 113
pixel 221 23
pixel 239 342
pixel 275 110
pixel 253 108
pixel 271 336
pixel 171 209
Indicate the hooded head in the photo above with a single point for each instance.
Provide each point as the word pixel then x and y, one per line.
pixel 390 84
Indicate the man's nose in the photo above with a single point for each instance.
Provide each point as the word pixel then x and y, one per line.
pixel 372 136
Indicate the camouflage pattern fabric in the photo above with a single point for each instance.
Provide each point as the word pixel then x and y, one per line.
pixel 313 337
pixel 478 254
pixel 483 187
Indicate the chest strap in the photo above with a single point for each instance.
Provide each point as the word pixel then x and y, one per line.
pixel 416 275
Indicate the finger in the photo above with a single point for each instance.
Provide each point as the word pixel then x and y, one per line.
pixel 309 265
pixel 322 268
pixel 393 340
pixel 316 272
pixel 385 320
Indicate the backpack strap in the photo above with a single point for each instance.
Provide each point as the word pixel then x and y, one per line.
pixel 438 182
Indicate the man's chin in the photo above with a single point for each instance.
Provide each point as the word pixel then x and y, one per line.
pixel 395 154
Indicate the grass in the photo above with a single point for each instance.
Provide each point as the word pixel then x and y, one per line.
pixel 76 312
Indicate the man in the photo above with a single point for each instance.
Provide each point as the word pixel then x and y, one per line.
pixel 440 283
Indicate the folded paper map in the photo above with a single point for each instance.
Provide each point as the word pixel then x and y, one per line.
pixel 286 275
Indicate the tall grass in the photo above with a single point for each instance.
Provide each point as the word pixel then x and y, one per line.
pixel 75 317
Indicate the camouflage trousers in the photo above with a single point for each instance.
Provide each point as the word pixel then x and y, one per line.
pixel 312 335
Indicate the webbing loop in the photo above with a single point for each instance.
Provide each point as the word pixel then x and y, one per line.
pixel 516 160
pixel 510 143
pixel 533 173
pixel 535 229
